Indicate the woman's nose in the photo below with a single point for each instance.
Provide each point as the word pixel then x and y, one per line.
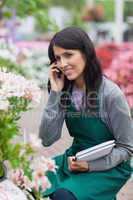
pixel 63 63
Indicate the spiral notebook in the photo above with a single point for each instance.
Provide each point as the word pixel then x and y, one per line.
pixel 96 152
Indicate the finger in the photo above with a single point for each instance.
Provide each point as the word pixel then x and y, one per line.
pixel 57 70
pixel 72 167
pixel 72 159
pixel 70 163
pixel 54 65
pixel 54 70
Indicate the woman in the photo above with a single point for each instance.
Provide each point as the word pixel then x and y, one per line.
pixel 95 110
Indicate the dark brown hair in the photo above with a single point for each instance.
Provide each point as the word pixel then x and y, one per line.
pixel 76 38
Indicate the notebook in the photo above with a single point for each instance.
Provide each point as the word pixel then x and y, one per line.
pixel 96 152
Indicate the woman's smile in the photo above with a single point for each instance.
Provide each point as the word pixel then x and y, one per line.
pixel 68 71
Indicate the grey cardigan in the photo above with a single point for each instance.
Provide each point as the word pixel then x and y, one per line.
pixel 114 111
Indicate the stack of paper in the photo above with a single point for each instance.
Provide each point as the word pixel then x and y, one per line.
pixel 96 152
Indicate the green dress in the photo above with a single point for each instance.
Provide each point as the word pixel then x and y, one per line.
pixel 102 185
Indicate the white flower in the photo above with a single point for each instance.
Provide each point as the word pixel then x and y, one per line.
pixel 44 164
pixel 51 164
pixel 4 104
pixel 12 85
pixel 34 141
pixel 38 164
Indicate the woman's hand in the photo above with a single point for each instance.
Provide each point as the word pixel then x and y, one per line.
pixel 57 83
pixel 75 166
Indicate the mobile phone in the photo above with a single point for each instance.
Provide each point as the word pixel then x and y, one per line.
pixel 59 73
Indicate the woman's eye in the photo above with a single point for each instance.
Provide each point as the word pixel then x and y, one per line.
pixel 68 55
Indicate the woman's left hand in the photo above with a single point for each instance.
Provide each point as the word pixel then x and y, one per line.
pixel 75 166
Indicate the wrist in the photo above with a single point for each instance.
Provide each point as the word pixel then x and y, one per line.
pixel 55 90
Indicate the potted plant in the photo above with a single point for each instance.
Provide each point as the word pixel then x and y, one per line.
pixel 26 166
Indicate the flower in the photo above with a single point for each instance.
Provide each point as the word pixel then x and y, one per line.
pixel 38 181
pixel 12 85
pixel 50 165
pixel 19 179
pixel 121 71
pixel 34 141
pixel 4 104
pixel 43 182
pixel 27 167
pixel 117 64
pixel 44 164
pixel 106 53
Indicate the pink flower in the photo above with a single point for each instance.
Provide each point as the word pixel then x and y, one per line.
pixel 45 184
pixel 38 174
pixel 121 71
pixel 51 165
pixel 18 177
pixel 35 187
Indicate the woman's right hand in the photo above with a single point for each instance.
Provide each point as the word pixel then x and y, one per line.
pixel 57 83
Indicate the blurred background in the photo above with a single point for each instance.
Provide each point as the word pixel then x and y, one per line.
pixel 27 26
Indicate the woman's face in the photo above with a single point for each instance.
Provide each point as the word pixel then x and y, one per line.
pixel 71 62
